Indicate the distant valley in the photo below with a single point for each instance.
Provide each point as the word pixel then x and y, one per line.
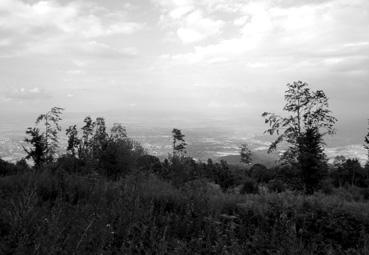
pixel 203 143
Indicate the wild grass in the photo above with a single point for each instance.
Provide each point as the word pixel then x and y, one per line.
pixel 59 213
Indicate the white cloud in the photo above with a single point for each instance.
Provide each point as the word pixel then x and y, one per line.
pixel 26 94
pixel 300 32
pixel 46 26
pixel 191 23
pixel 219 52
pixel 196 27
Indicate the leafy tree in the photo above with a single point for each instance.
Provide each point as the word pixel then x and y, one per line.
pixel 100 137
pixel 73 140
pixel 44 144
pixel 356 174
pixel 339 174
pixel 307 110
pixel 118 132
pixel 249 186
pixel 86 141
pixel 261 173
pixel 39 149
pixel 179 144
pixel 51 121
pixel 149 164
pixel 117 155
pixel 338 161
pixel 224 176
pixel 308 121
pixel 349 172
pixel 245 154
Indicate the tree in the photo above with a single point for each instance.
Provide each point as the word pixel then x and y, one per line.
pixel 245 154
pixel 100 137
pixel 179 144
pixel 303 129
pixel 44 144
pixel 39 150
pixel 308 110
pixel 311 159
pixel 224 176
pixel 355 174
pixel 73 141
pixel 118 132
pixel 51 121
pixel 86 141
pixel 261 173
pixel 366 146
pixel 338 161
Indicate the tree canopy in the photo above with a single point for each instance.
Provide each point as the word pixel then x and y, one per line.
pixel 306 110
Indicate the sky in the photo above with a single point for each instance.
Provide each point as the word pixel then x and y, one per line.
pixel 229 59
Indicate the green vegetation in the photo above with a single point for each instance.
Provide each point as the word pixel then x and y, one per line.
pixel 107 195
pixel 303 130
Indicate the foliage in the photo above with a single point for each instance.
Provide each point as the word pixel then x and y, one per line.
pixel 7 168
pixel 249 186
pixel 108 196
pixel 308 110
pixel 261 173
pixel 179 144
pixel 309 120
pixel 86 141
pixel 100 137
pixel 311 159
pixel 73 140
pixel 44 144
pixel 39 151
pixel 349 172
pixel 51 121
pixel 118 132
pixel 276 185
pixel 53 212
pixel 119 157
pixel 223 175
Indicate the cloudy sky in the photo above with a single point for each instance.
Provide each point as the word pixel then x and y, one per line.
pixel 203 57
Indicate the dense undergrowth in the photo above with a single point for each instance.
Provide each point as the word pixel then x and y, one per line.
pixel 51 211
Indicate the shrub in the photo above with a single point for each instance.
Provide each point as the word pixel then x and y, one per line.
pixel 249 186
pixel 276 185
pixel 326 186
pixel 261 173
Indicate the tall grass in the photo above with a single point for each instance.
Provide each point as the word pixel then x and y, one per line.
pixel 58 213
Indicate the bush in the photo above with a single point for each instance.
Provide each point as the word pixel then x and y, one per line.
pixel 365 193
pixel 7 168
pixel 261 173
pixel 249 186
pixel 326 186
pixel 276 185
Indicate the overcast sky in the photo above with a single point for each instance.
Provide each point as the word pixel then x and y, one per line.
pixel 206 57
